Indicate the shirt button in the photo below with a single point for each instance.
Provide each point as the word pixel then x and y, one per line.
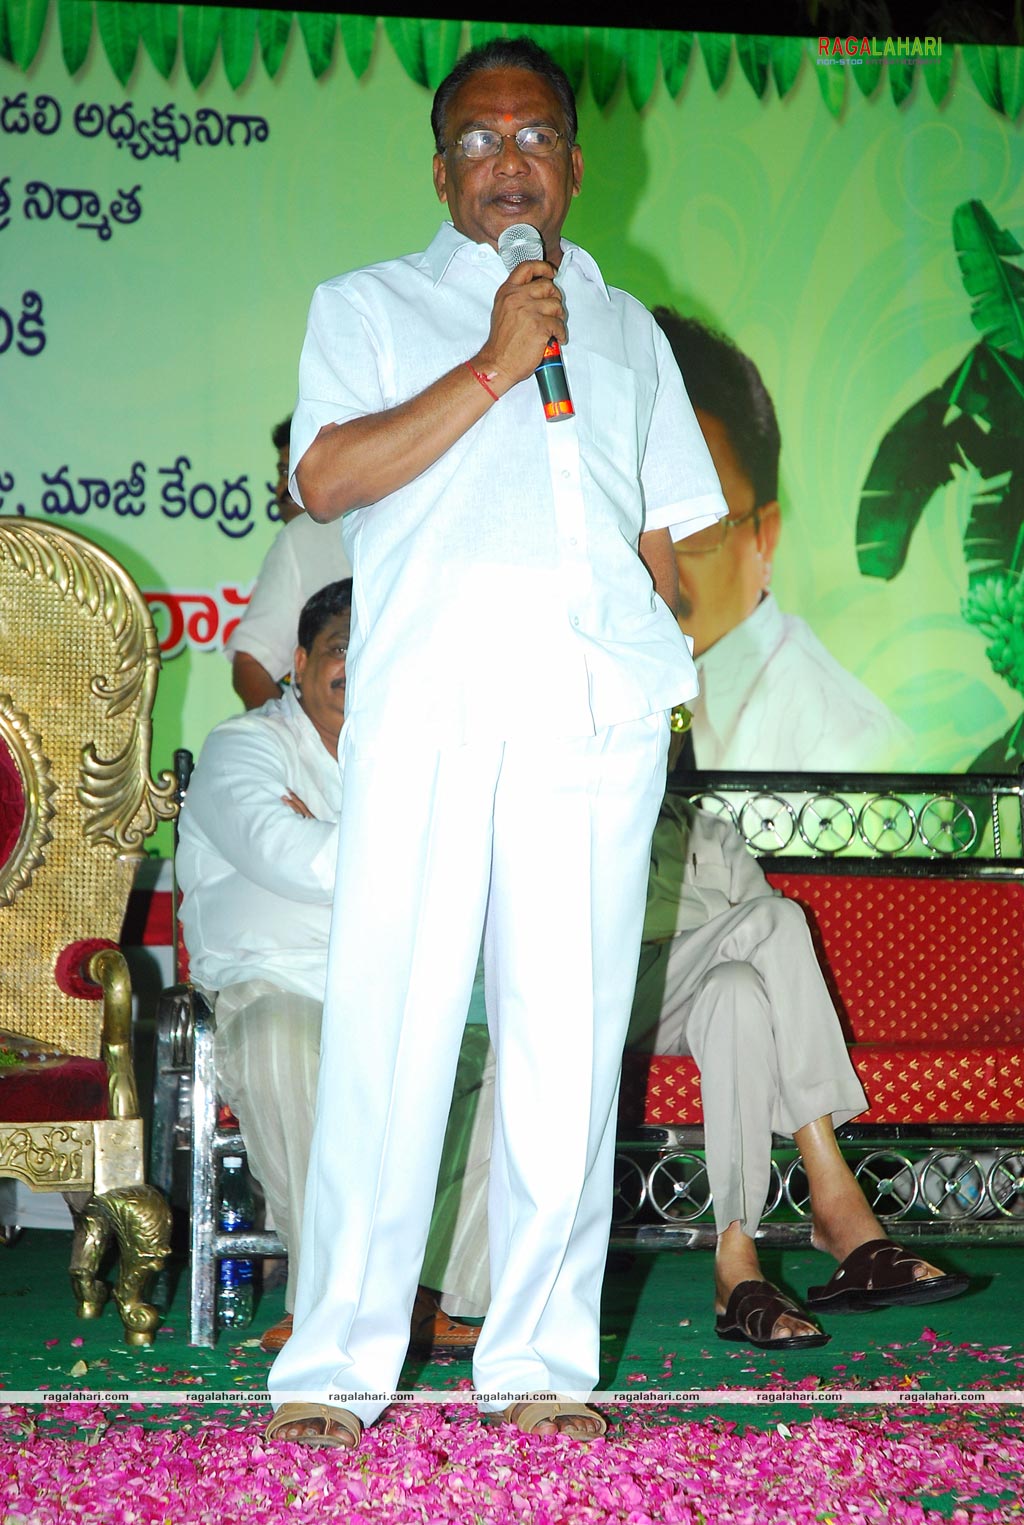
pixel 572 540
pixel 575 619
pixel 567 475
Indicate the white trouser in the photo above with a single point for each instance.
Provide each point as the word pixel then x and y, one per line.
pixel 745 996
pixel 544 845
pixel 267 1053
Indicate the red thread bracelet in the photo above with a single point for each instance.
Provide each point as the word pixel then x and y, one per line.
pixel 482 380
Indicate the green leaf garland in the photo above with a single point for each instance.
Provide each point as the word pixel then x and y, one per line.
pixel 642 49
pixel 406 37
pixel 75 32
pixel 787 55
pixel 441 47
pixel 237 43
pixel 25 22
pixel 983 67
pixel 606 49
pixel 717 50
pixel 118 26
pixel 754 54
pixel 566 44
pixel 200 34
pixel 319 32
pixel 358 34
pixel 274 28
pixel 427 48
pixel 158 28
pixel 832 84
pixel 676 48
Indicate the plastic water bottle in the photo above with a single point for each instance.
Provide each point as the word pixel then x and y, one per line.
pixel 234 1277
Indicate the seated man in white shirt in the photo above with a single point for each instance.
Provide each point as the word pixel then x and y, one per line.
pixel 302 558
pixel 728 974
pixel 256 863
pixel 771 695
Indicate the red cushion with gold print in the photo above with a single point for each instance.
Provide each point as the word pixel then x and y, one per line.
pixel 905 1083
pixel 918 960
pixel 928 979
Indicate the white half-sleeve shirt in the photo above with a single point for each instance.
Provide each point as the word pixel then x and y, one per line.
pixel 500 594
pixel 303 557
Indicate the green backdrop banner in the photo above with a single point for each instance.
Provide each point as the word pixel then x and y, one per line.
pixel 159 243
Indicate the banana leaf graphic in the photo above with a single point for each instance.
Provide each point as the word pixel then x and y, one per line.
pixel 976 417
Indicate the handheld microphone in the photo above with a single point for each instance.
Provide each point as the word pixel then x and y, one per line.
pixel 517 244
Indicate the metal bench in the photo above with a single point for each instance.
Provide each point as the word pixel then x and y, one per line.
pixel 914 887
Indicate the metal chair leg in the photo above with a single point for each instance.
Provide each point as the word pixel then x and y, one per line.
pixel 203 1264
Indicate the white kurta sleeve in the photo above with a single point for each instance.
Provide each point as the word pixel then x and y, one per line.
pixel 235 798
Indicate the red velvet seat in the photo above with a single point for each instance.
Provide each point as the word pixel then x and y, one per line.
pixel 928 978
pixel 54 1091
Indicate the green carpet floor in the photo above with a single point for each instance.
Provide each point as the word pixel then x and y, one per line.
pixel 658 1333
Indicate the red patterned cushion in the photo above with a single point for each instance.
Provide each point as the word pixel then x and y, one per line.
pixel 919 960
pixel 65 1090
pixel 911 1083
pixel 927 974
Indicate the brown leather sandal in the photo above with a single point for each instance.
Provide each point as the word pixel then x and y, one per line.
pixel 338 1427
pixel 754 1308
pixel 433 1332
pixel 880 1274
pixel 277 1336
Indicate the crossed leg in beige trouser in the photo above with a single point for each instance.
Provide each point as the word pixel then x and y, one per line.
pixel 745 996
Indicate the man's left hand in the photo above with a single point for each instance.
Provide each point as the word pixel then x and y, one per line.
pixel 291 799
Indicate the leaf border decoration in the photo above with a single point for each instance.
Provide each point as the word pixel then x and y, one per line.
pixel 427 46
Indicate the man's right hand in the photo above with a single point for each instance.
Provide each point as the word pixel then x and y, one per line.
pixel 528 311
pixel 354 464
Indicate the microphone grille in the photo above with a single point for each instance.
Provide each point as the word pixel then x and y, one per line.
pixel 518 243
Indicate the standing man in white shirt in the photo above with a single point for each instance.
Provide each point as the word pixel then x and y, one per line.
pixel 771 695
pixel 513 610
pixel 302 558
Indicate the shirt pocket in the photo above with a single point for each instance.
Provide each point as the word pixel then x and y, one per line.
pixel 614 404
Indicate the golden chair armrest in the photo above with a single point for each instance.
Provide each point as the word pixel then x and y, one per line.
pixel 109 970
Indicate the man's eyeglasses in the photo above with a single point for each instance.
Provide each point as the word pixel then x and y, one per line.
pixel 486 142
pixel 707 541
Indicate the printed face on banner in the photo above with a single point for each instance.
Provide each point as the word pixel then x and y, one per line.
pixel 485 196
pixel 720 588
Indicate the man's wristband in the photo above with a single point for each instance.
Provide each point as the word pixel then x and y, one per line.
pixel 482 380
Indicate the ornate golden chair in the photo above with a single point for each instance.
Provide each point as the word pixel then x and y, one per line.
pixel 78 669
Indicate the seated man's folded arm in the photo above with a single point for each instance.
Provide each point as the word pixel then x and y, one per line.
pixel 236 798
